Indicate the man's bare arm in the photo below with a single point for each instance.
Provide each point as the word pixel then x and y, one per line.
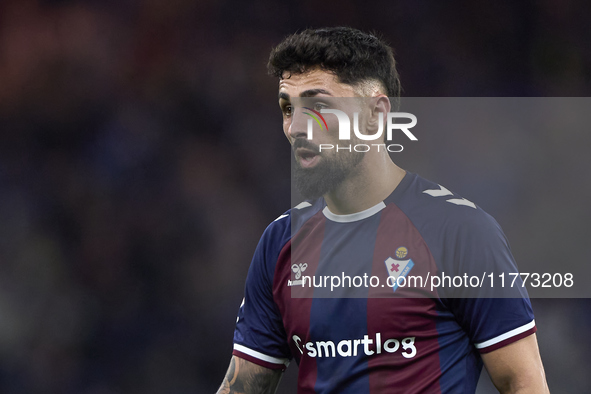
pixel 517 368
pixel 244 377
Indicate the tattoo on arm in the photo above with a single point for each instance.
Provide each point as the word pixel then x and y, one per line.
pixel 244 377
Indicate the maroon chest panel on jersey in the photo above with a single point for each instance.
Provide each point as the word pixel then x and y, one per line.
pixel 293 300
pixel 408 312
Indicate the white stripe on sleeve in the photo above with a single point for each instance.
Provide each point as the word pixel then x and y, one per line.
pixel 506 335
pixel 261 356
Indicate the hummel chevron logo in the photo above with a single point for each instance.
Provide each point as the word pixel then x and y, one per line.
pixel 303 204
pixel 462 201
pixel 438 193
pixel 444 192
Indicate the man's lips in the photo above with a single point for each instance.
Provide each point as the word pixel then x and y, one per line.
pixel 308 158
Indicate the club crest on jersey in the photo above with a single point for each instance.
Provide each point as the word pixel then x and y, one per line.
pixel 398 268
pixel 297 270
pixel 401 252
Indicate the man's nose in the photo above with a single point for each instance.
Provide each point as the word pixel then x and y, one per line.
pixel 299 124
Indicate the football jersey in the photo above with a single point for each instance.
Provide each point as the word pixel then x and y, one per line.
pixel 376 332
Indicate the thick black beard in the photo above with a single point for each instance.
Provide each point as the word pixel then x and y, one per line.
pixel 327 175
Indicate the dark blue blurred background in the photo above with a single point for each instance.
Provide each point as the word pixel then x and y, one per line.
pixel 141 157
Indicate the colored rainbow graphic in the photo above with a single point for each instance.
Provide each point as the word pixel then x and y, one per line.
pixel 316 118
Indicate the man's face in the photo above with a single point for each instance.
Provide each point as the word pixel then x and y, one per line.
pixel 317 173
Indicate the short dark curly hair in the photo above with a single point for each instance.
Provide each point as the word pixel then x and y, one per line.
pixel 352 55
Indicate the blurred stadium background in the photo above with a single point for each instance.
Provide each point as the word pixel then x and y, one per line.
pixel 141 157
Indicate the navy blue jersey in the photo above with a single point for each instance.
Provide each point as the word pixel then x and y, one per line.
pixel 383 335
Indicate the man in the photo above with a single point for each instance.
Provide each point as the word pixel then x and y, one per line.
pixel 367 216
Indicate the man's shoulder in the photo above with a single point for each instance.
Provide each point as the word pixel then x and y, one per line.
pixel 291 220
pixel 430 204
pixel 460 235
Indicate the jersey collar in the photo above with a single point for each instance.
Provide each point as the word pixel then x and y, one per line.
pixel 353 217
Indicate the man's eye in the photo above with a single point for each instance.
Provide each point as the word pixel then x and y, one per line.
pixel 319 106
pixel 287 110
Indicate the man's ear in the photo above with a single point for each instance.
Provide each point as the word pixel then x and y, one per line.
pixel 380 106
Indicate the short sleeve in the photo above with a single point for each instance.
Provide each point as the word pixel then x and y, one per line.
pixel 492 315
pixel 259 336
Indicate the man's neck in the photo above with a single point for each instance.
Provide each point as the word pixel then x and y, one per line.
pixel 365 189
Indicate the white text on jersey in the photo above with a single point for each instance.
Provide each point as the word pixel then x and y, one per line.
pixel 349 347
